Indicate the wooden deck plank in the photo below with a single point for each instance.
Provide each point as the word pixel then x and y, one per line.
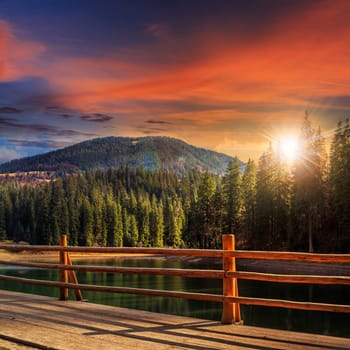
pixel 47 323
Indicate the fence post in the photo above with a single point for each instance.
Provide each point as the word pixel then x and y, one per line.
pixel 231 311
pixel 63 273
pixel 73 279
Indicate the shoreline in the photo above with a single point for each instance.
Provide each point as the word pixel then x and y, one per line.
pixel 252 265
pixel 54 256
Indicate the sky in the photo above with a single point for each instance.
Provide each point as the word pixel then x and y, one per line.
pixel 224 75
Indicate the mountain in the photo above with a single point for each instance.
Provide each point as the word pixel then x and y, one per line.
pixel 111 152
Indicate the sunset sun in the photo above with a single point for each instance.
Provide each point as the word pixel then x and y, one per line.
pixel 289 147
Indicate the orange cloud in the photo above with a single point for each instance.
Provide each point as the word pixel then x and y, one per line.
pixel 18 57
pixel 301 55
pixel 214 78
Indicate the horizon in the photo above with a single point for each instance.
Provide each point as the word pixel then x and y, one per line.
pixel 225 76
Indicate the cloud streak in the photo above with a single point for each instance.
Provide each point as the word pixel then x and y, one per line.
pixel 10 110
pixel 96 118
pixel 152 121
pixel 39 144
pixel 234 67
pixel 7 125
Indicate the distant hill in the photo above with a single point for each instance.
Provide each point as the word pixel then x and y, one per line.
pixel 111 152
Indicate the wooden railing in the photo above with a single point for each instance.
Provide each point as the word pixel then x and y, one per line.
pixel 230 298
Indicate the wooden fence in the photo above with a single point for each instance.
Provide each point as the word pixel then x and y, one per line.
pixel 230 298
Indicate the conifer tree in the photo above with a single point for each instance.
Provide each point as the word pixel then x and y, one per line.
pixel 43 216
pixel 156 223
pixel 264 201
pixel 126 226
pixel 85 237
pixel 72 200
pixel 3 233
pixel 99 224
pixel 28 215
pixel 113 222
pixel 205 210
pixel 144 223
pixel 134 231
pixel 58 212
pixel 282 191
pixel 310 191
pixel 119 225
pixel 248 204
pixel 232 197
pixel 174 220
pixel 218 219
pixel 340 184
pixel 7 212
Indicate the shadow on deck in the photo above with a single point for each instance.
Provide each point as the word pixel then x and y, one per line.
pixel 47 323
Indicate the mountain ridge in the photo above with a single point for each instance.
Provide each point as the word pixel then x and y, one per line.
pixel 150 152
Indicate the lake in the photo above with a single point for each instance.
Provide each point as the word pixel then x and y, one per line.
pixel 335 324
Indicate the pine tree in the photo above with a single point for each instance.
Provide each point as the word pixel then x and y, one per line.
pixel 248 204
pixel 72 200
pixel 281 233
pixel 119 225
pixel 232 182
pixel 132 208
pixel 272 202
pixel 218 219
pixel 264 201
pixel 134 232
pixel 58 212
pixel 310 191
pixel 85 237
pixel 99 224
pixel 174 220
pixel 178 223
pixel 205 210
pixel 110 218
pixel 43 216
pixel 127 242
pixel 28 215
pixel 3 233
pixel 340 184
pixel 144 208
pixel 7 212
pixel 156 223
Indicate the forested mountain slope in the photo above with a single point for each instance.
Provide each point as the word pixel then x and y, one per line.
pixel 151 153
pixel 271 205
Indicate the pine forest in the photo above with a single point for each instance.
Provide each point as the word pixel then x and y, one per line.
pixel 269 204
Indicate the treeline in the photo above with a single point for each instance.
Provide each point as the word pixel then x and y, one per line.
pixel 269 205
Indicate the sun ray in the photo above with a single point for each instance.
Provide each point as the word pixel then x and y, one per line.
pixel 289 147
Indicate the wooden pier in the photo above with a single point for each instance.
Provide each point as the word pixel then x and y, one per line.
pixel 29 321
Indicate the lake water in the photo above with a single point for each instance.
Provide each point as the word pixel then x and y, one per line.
pixel 335 324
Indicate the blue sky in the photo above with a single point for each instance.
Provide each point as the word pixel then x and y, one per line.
pixel 224 75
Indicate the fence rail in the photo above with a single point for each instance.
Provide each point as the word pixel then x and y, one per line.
pixel 228 274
